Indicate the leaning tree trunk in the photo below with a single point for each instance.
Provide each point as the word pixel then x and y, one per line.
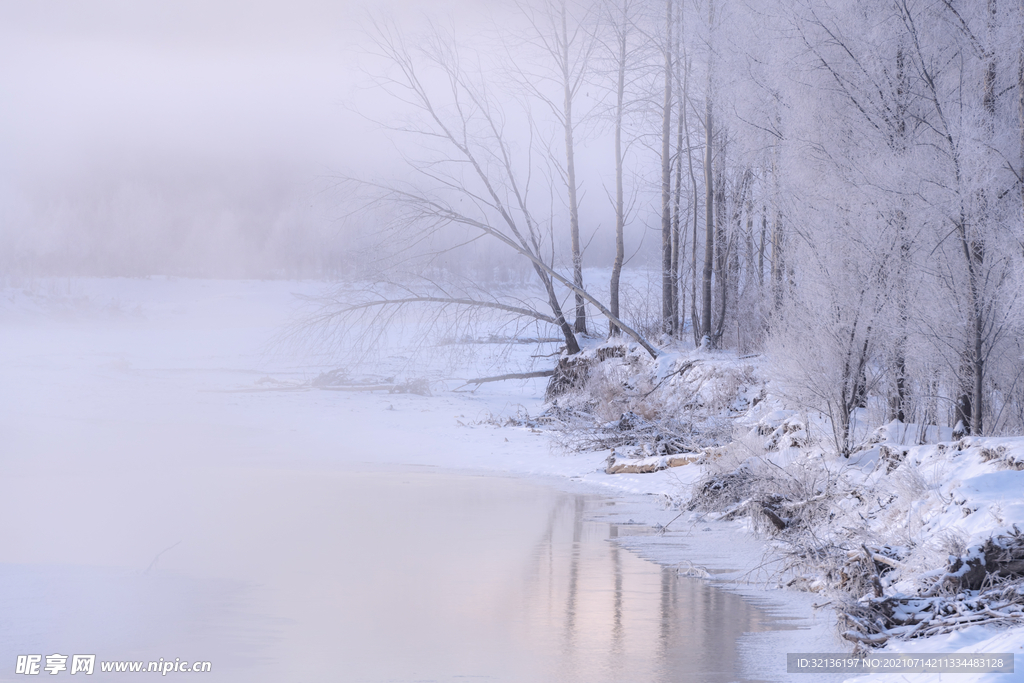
pixel 571 344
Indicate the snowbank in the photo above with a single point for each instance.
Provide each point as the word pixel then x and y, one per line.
pixel 915 538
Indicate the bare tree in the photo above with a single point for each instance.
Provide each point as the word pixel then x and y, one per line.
pixel 621 29
pixel 668 280
pixel 706 337
pixel 569 44
pixel 968 200
pixel 469 178
pixel 620 19
pixel 684 106
pixel 680 77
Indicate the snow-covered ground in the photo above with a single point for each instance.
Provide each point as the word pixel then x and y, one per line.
pixel 940 514
pixel 110 384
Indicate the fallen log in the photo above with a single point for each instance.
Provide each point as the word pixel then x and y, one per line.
pixel 361 387
pixel 416 386
pixel 650 464
pixel 501 378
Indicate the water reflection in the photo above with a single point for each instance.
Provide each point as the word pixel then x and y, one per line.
pixel 618 617
pixel 288 575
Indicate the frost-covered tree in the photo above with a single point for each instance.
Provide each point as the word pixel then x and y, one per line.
pixel 843 180
pixel 901 129
pixel 828 334
pixel 966 181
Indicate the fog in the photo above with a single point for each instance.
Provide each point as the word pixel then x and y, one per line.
pixel 187 138
pixel 832 189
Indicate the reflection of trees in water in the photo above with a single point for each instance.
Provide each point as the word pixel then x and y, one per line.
pixel 574 575
pixel 613 616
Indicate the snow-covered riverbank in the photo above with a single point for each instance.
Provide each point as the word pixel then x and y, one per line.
pixel 96 368
pixel 913 535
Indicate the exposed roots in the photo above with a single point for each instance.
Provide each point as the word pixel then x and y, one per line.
pixel 571 374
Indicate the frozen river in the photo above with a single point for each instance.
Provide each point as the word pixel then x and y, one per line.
pixel 159 504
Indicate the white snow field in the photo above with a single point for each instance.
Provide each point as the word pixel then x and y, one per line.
pixel 174 488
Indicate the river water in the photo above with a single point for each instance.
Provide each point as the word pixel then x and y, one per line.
pixel 159 504
pixel 303 575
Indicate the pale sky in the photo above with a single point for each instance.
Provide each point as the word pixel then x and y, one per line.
pixel 126 107
pixel 108 83
pixel 139 129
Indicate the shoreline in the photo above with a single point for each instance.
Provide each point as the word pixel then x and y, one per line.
pixel 104 365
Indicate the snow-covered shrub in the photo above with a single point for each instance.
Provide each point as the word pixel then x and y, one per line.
pixel 906 540
pixel 776 499
pixel 622 385
pixel 683 403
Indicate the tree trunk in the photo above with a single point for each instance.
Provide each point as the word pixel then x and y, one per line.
pixel 989 96
pixel 722 249
pixel 748 281
pixel 962 414
pixel 678 236
pixel 761 244
pixel 899 408
pixel 976 258
pixel 972 376
pixel 709 232
pixel 778 264
pixel 709 205
pixel 580 325
pixel 620 218
pixel 667 279
pixel 572 346
pixel 901 400
pixel 694 317
pixel 978 368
